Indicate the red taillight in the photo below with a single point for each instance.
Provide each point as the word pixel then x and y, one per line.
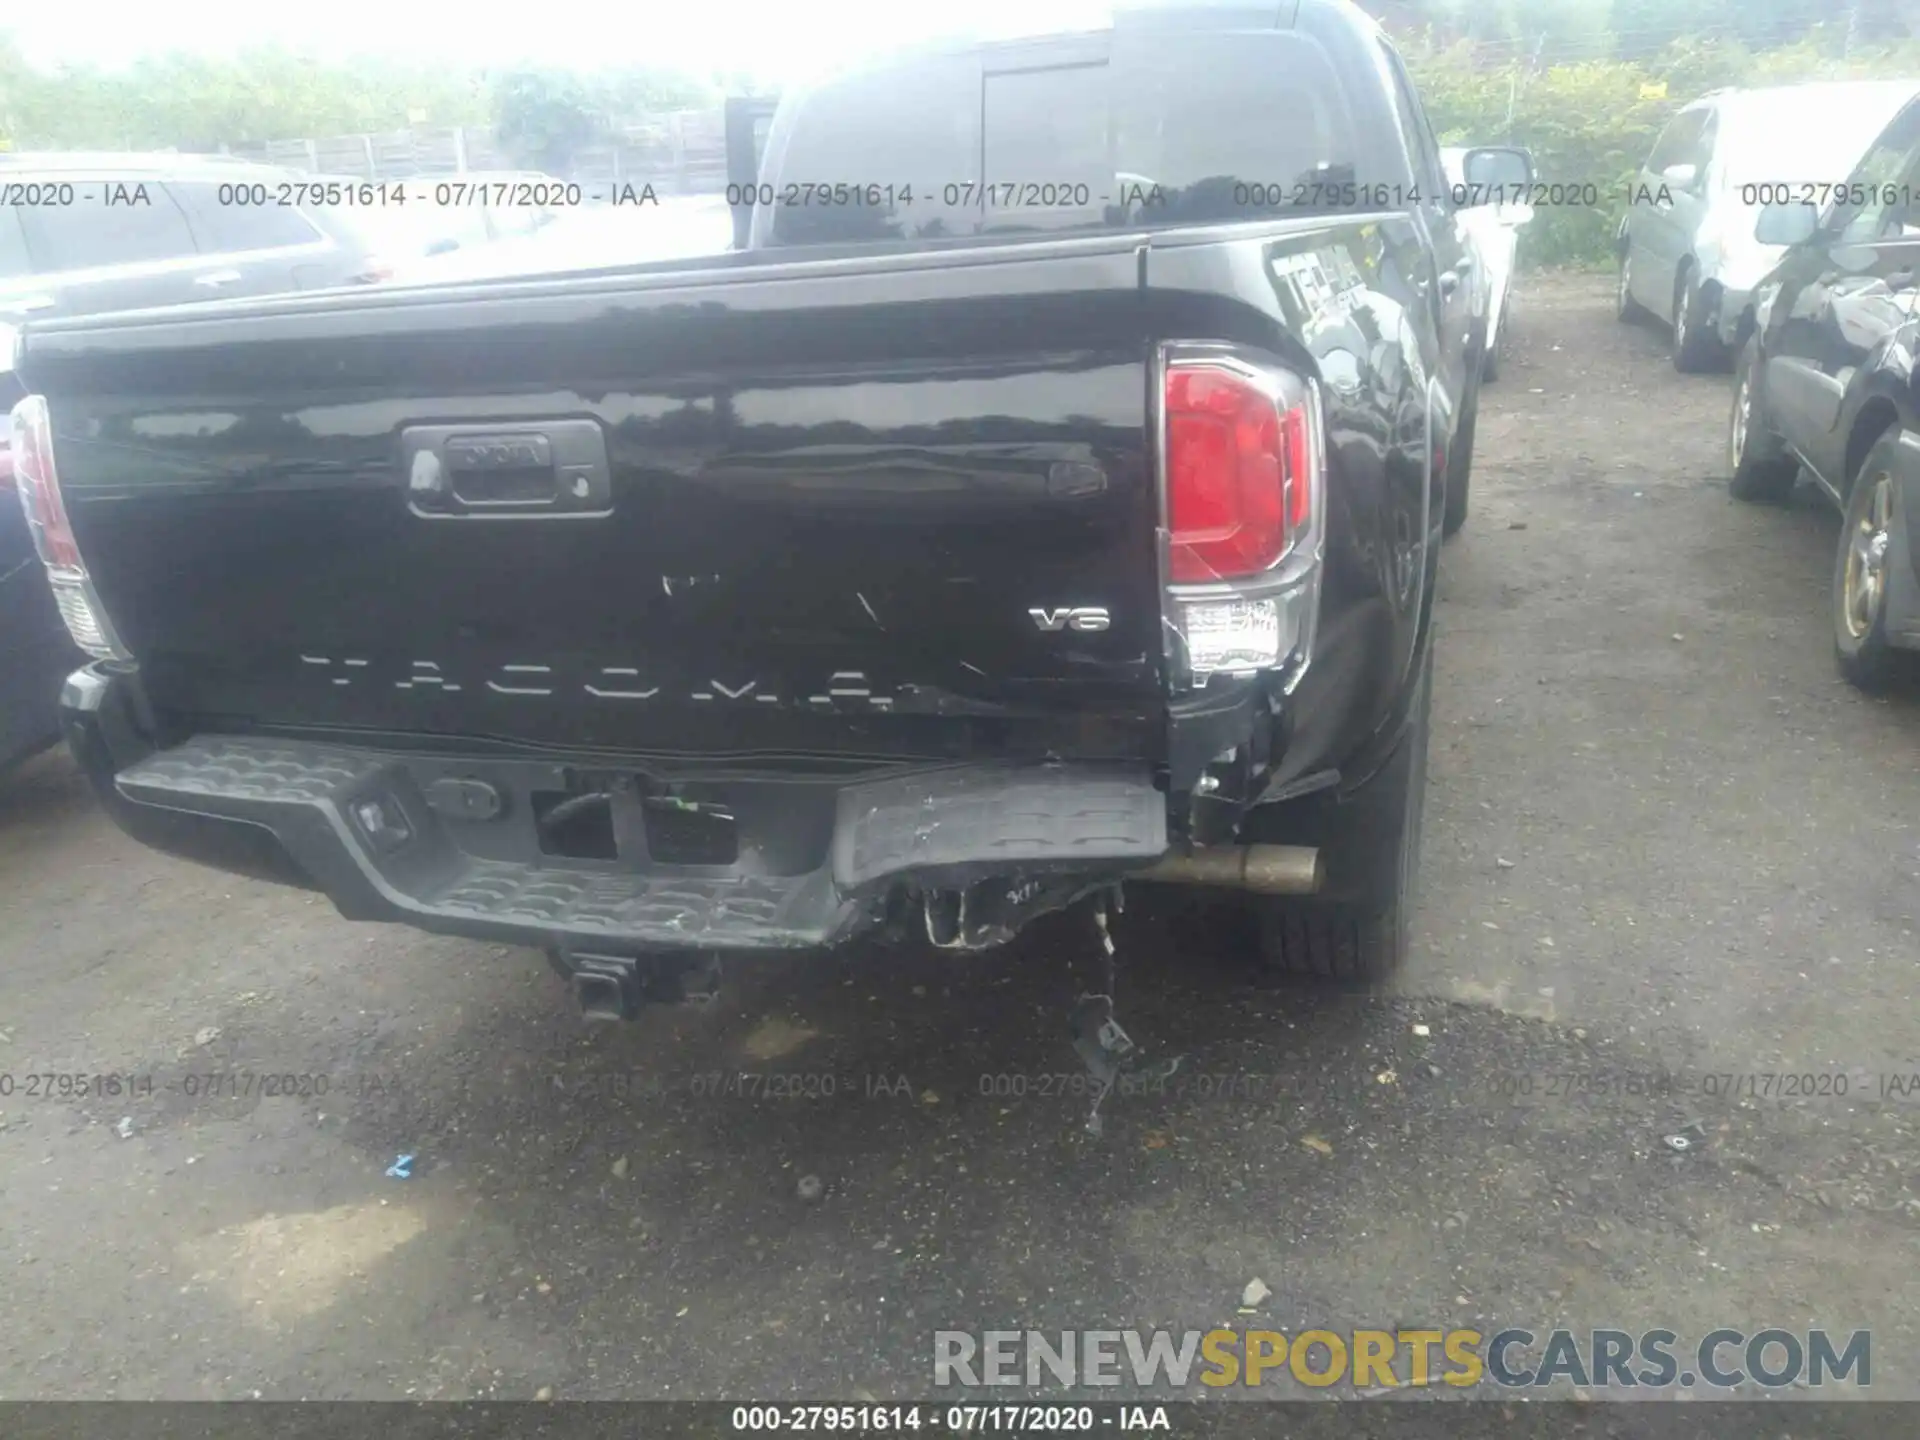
pixel 30 457
pixel 1239 472
pixel 1243 476
pixel 39 486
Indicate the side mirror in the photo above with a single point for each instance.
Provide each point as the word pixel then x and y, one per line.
pixel 1681 177
pixel 1495 173
pixel 1787 222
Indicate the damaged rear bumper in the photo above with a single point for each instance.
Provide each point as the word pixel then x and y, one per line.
pixel 454 844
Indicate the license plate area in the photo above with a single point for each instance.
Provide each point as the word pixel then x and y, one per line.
pixel 637 820
pixel 687 824
pixel 620 820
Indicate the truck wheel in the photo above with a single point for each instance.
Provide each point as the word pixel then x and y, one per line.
pixel 1460 468
pixel 1695 346
pixel 1860 644
pixel 1762 469
pixel 1361 937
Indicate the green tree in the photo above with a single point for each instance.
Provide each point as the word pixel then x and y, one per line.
pixel 194 102
pixel 544 118
pixel 625 94
pixel 1591 124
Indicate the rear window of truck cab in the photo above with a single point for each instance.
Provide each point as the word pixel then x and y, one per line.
pixel 1117 129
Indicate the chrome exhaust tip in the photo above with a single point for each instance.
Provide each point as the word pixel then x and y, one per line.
pixel 1264 869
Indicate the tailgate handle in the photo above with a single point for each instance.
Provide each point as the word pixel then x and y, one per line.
pixel 552 467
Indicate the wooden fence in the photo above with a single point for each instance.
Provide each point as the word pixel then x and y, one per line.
pixel 683 152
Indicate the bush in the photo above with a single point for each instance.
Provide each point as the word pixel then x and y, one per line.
pixel 193 102
pixel 201 103
pixel 1594 121
pixel 542 119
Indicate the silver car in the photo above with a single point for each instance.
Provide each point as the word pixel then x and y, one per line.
pixel 592 237
pixel 1687 249
pixel 1495 233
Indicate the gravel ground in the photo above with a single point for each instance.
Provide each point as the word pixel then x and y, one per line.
pixel 1662 837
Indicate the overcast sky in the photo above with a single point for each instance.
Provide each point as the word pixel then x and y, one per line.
pixel 777 39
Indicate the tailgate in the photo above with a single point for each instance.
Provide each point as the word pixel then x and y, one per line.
pixel 883 507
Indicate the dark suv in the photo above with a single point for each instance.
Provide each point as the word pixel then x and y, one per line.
pixel 1827 386
pixel 83 234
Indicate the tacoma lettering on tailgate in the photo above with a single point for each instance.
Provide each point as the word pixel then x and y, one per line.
pixel 619 684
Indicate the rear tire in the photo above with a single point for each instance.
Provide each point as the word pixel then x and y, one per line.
pixel 1361 938
pixel 1859 607
pixel 1762 470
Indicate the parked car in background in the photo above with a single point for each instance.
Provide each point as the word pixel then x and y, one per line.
pixel 598 237
pixel 1495 233
pixel 399 237
pixel 36 653
pixel 952 557
pixel 1828 382
pixel 441 214
pixel 500 204
pixel 1687 249
pixel 97 232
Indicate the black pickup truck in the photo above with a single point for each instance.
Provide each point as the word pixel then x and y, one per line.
pixel 1049 495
